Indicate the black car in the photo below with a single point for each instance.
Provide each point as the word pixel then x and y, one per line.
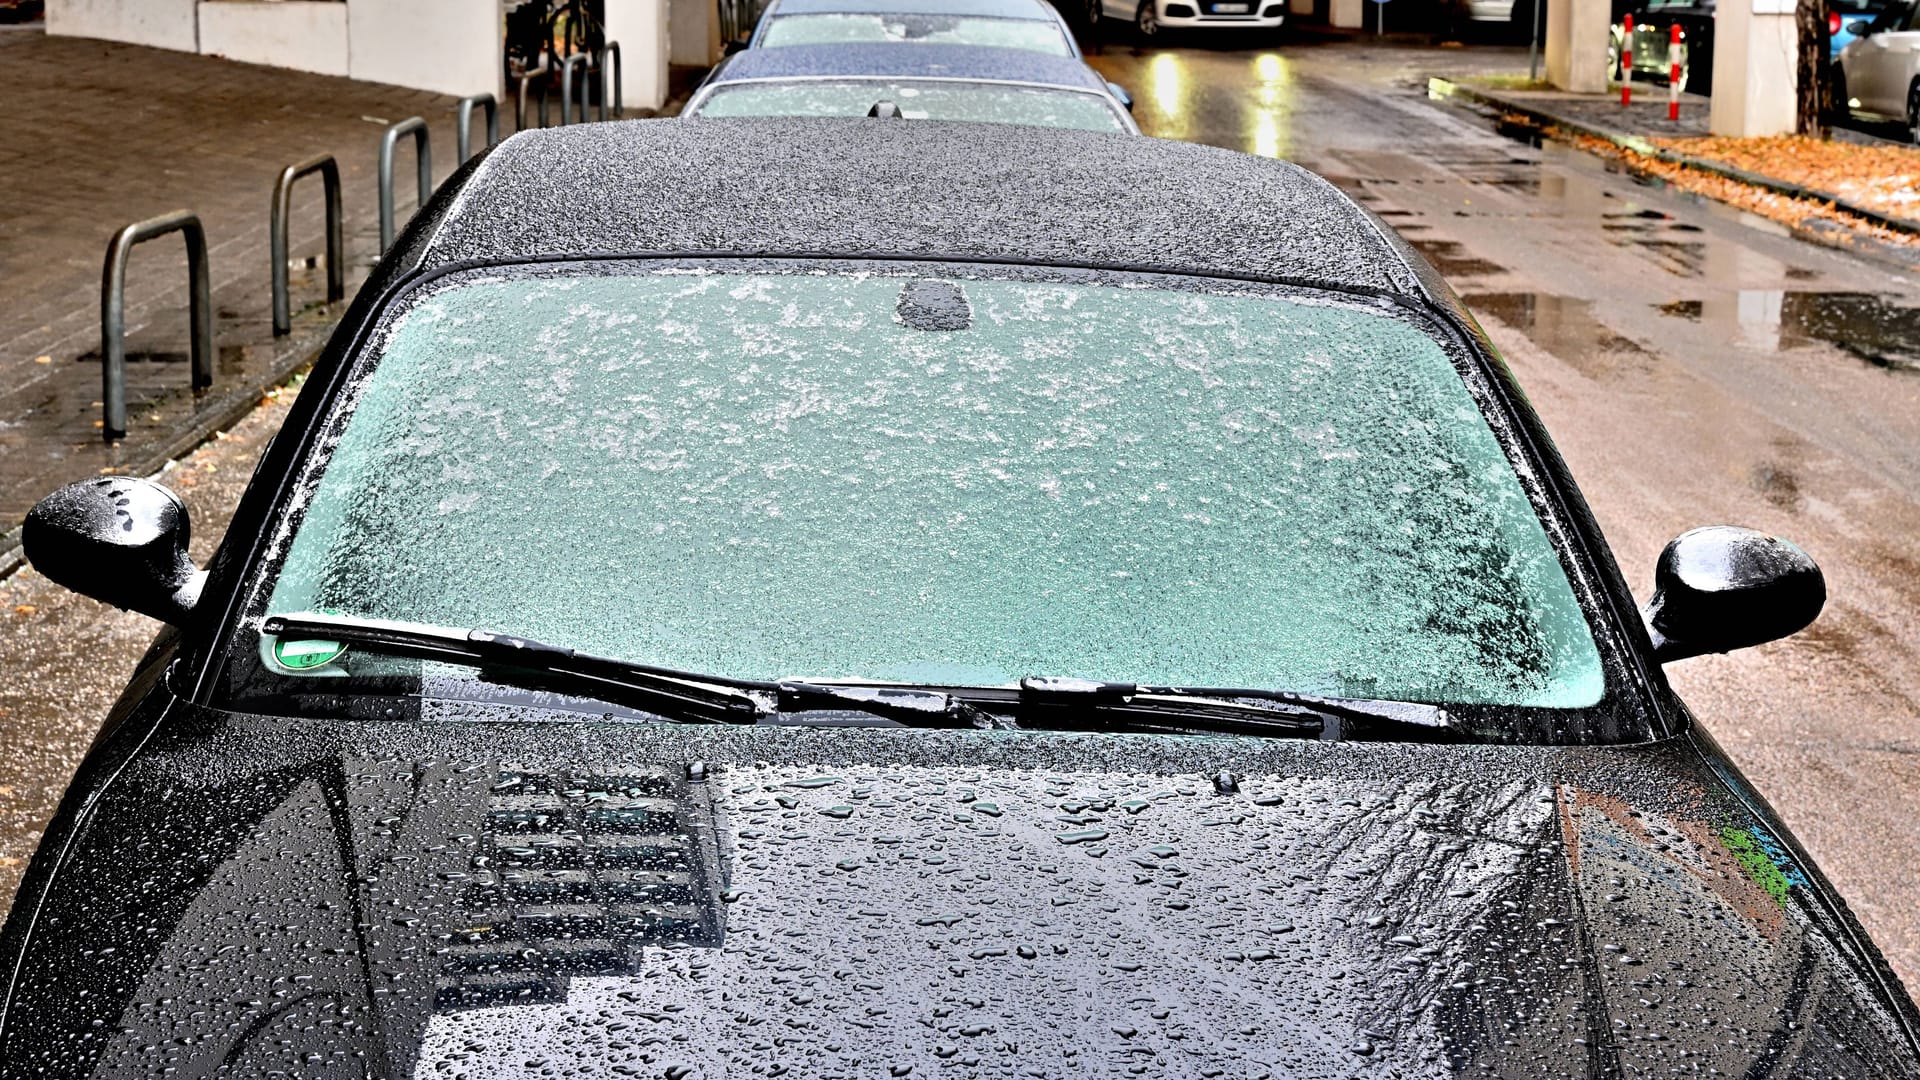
pixel 836 598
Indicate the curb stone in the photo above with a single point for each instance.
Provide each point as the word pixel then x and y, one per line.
pixel 1440 87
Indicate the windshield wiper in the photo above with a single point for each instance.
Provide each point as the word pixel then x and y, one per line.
pixel 1234 710
pixel 680 695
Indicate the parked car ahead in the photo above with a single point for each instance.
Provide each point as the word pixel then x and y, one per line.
pixel 1149 17
pixel 1653 24
pixel 1030 25
pixel 1880 69
pixel 1844 17
pixel 1009 632
pixel 915 82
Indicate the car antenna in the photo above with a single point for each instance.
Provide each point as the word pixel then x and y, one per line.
pixel 886 110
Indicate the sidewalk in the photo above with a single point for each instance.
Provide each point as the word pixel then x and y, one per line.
pixel 97 135
pixel 1777 170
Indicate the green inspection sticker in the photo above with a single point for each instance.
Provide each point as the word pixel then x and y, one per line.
pixel 301 655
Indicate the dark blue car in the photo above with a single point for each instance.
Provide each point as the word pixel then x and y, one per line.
pixel 915 82
pixel 1028 25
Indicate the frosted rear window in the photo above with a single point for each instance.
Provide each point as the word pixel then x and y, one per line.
pixel 979 103
pixel 826 475
pixel 1030 35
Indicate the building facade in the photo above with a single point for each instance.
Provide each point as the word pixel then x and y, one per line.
pixel 447 46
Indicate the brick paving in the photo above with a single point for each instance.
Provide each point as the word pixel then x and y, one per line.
pixel 95 135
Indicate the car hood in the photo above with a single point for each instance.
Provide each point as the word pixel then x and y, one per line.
pixel 471 892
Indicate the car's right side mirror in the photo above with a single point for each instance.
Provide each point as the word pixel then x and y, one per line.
pixel 1722 588
pixel 1859 28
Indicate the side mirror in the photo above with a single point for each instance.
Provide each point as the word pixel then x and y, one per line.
pixel 120 540
pixel 1859 28
pixel 1722 588
pixel 1120 93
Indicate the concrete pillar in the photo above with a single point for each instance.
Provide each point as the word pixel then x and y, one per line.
pixel 1298 8
pixel 1577 32
pixel 305 35
pixel 640 26
pixel 1755 68
pixel 1348 14
pixel 448 46
pixel 693 32
pixel 163 24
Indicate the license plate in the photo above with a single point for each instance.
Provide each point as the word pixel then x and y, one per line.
pixel 1232 9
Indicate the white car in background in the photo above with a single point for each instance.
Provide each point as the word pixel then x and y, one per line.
pixel 1149 17
pixel 1880 67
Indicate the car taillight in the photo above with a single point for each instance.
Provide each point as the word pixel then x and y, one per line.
pixel 1833 23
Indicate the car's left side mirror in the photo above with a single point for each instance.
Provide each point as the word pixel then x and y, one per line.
pixel 1120 94
pixel 120 540
pixel 1722 588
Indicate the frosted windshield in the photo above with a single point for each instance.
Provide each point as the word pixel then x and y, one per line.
pixel 980 103
pixel 1030 35
pixel 956 482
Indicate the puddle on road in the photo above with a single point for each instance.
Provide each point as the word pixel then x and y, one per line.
pixel 1566 328
pixel 1868 325
pixel 1448 257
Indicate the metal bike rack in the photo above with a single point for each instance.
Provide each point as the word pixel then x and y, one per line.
pixel 282 211
pixel 520 102
pixel 464 141
pixel 422 152
pixel 113 312
pixel 566 90
pixel 612 49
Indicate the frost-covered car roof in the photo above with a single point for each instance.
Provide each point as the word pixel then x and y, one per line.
pixel 916 189
pixel 986 9
pixel 908 61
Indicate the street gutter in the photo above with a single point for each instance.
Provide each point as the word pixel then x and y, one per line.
pixel 1443 88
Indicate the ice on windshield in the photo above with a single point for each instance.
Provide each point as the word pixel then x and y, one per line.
pixel 983 103
pixel 953 481
pixel 1031 35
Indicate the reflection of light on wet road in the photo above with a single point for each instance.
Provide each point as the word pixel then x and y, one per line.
pixel 1266 134
pixel 1269 96
pixel 1169 84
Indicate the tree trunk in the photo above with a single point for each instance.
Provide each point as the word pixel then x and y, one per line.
pixel 1812 91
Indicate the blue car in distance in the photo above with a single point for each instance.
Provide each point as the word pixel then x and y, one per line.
pixel 1027 25
pixel 914 82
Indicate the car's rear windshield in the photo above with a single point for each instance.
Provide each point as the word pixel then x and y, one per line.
pixel 938 475
pixel 984 103
pixel 1031 35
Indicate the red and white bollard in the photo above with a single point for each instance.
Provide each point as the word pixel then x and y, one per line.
pixel 1626 63
pixel 1673 74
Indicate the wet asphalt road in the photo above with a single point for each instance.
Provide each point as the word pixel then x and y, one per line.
pixel 1695 366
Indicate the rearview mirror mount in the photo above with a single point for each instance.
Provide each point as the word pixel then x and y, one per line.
pixel 1722 588
pixel 120 540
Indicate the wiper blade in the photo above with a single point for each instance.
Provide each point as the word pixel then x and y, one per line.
pixel 1241 710
pixel 683 695
pixel 679 694
pixel 907 705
